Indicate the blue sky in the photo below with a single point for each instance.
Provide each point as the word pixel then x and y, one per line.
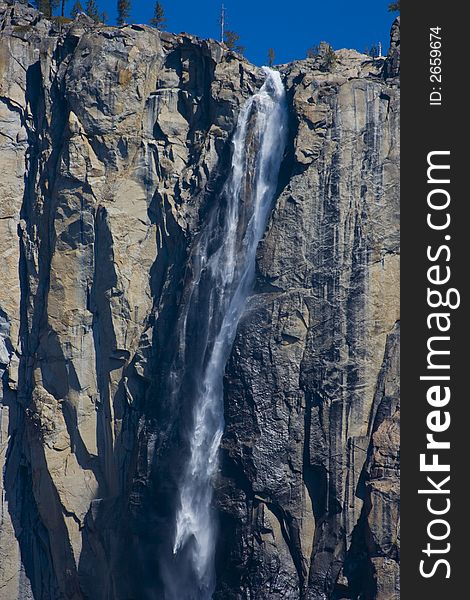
pixel 289 27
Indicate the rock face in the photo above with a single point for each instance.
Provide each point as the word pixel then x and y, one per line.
pixel 392 64
pixel 113 144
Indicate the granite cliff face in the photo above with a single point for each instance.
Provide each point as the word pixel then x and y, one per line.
pixel 114 143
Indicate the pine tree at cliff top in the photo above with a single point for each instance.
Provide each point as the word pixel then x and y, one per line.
pixel 231 39
pixel 76 9
pixel 271 56
pixel 47 6
pixel 92 10
pixel 124 11
pixel 158 20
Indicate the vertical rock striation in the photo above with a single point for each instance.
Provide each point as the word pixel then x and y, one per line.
pixel 311 387
pixel 114 146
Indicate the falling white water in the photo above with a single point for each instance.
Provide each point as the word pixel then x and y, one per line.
pixel 225 261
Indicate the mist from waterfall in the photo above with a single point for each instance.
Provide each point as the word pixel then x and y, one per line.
pixel 223 266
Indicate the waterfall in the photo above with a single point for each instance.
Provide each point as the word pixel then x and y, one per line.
pixel 222 266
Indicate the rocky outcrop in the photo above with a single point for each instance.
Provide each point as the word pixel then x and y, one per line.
pixel 113 145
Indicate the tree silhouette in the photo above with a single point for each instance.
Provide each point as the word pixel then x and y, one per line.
pixel 158 20
pixel 76 9
pixel 124 11
pixel 92 10
pixel 231 39
pixel 328 60
pixel 271 56
pixel 325 53
pixel 394 7
pixel 47 6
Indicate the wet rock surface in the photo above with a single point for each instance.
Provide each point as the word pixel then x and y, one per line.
pixel 113 145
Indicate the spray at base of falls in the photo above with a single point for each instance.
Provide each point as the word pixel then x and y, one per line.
pixel 223 259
